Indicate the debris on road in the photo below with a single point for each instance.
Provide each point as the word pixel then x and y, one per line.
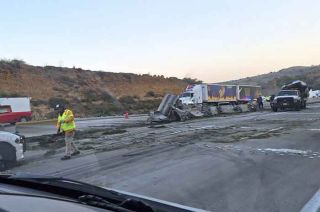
pixel 53 142
pixel 294 151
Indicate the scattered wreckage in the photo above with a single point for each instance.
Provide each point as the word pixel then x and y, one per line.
pixel 172 109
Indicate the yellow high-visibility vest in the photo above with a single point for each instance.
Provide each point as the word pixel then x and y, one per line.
pixel 68 124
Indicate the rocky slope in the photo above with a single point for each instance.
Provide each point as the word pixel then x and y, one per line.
pixel 88 92
pixel 272 82
pixel 95 93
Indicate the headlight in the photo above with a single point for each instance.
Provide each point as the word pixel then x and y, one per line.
pixel 17 140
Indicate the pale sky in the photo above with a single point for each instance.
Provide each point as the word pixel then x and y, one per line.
pixel 213 40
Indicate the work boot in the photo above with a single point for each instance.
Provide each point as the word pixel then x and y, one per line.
pixel 75 153
pixel 66 157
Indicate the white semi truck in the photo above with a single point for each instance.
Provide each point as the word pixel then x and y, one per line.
pixel 218 93
pixel 205 100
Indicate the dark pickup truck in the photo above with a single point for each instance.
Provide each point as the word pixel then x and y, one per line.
pixel 292 96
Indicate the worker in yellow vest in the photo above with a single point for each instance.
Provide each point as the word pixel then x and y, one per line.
pixel 67 125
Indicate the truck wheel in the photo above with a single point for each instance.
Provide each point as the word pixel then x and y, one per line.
pixel 2 164
pixel 275 109
pixel 304 106
pixel 298 107
pixel 7 155
pixel 23 119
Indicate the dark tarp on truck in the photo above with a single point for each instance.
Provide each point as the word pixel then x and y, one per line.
pixel 298 85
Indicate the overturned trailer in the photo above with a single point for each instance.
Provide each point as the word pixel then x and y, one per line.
pixel 168 110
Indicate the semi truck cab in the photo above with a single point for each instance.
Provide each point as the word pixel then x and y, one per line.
pixel 192 95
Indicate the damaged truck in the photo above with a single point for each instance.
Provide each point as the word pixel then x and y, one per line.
pixel 291 96
pixel 200 100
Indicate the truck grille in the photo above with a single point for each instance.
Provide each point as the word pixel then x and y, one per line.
pixel 288 100
pixel 24 143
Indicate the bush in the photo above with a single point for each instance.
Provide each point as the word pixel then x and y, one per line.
pixel 37 102
pixel 58 89
pixel 105 96
pixel 150 94
pixel 136 97
pixel 104 109
pixel 91 95
pixel 13 63
pixel 17 63
pixel 173 78
pixel 4 94
pixel 127 100
pixel 192 81
pixel 67 80
pixel 53 101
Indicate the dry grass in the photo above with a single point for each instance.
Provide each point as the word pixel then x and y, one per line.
pixel 84 89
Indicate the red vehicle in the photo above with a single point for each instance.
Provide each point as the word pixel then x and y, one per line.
pixel 7 116
pixel 14 110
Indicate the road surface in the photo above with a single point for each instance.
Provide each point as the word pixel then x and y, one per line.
pixel 46 128
pixel 259 161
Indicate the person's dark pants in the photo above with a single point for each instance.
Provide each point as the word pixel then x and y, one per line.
pixel 260 105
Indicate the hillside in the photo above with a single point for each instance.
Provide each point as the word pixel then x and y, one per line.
pixel 88 92
pixel 95 93
pixel 272 82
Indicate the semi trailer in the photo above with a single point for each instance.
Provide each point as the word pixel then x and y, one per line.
pixel 218 93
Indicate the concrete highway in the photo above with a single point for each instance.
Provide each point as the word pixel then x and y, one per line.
pixel 47 127
pixel 261 161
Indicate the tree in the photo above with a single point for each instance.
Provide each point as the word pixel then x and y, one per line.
pixel 192 81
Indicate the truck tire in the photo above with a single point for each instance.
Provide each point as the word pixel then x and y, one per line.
pixel 304 105
pixel 7 155
pixel 298 106
pixel 23 119
pixel 2 164
pixel 274 109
